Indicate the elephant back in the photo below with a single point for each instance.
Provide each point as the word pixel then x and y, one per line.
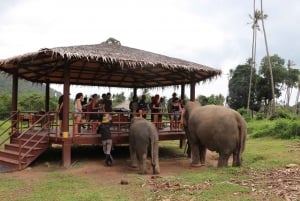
pixel 142 127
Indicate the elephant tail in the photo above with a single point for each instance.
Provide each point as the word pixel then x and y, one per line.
pixel 242 135
pixel 152 143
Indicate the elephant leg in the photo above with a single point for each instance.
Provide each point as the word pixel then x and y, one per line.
pixel 133 156
pixel 223 160
pixel 142 159
pixel 195 155
pixel 154 159
pixel 202 153
pixel 237 159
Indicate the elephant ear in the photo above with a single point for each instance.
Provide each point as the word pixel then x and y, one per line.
pixel 191 105
pixel 184 118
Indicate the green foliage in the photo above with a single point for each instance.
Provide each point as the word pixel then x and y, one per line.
pixel 244 113
pixel 24 86
pixel 5 103
pixel 261 90
pixel 118 98
pixel 260 116
pixel 239 86
pixel 280 128
pixel 281 113
pixel 211 100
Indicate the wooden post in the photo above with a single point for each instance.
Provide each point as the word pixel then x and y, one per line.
pixel 192 92
pixel 47 96
pixel 14 95
pixel 182 92
pixel 66 150
pixel 134 91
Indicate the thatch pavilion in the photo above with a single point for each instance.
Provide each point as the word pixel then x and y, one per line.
pixel 111 65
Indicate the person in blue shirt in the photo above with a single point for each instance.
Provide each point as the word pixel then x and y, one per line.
pixel 143 107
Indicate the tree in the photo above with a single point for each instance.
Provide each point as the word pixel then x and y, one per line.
pixel 290 82
pixel 211 100
pixel 264 82
pixel 255 27
pixel 118 98
pixel 259 15
pixel 263 16
pixel 5 103
pixel 239 85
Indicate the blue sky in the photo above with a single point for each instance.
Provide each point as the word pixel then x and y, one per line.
pixel 215 33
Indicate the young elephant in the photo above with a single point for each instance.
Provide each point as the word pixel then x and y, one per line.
pixel 143 135
pixel 215 128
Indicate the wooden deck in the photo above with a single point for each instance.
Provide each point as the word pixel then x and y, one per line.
pixel 30 137
pixel 118 136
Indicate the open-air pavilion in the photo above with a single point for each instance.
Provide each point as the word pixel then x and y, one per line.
pixel 105 65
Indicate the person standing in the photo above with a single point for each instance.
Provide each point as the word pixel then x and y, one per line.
pixel 143 107
pixel 77 113
pixel 161 111
pixel 133 106
pixel 176 114
pixel 170 103
pixel 108 103
pixel 106 139
pixel 156 110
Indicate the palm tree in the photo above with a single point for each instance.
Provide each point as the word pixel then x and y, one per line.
pixel 255 27
pixel 263 16
pixel 297 96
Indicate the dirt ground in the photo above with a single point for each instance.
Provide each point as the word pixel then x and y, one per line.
pixel 284 182
pixel 89 163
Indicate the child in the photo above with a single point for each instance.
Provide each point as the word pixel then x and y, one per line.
pixel 104 130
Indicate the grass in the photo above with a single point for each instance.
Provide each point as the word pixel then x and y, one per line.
pixel 56 183
pixel 211 184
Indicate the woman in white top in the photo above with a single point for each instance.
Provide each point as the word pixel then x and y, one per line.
pixel 77 113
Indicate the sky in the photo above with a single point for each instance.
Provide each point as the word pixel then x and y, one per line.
pixel 216 33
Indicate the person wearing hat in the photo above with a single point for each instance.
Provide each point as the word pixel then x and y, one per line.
pixel 106 139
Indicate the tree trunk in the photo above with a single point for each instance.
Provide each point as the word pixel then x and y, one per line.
pixel 297 98
pixel 269 60
pixel 253 58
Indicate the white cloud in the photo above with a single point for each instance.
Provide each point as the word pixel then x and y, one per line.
pixel 213 33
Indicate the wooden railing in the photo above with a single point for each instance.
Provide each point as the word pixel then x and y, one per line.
pixel 45 122
pixel 11 129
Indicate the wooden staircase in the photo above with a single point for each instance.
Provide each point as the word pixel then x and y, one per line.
pixel 23 150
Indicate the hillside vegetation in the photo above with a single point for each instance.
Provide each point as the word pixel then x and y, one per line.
pixel 24 86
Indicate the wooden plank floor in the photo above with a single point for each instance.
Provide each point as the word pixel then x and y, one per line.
pixel 119 136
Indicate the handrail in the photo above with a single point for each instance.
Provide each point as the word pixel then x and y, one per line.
pixel 44 117
pixel 12 127
pixel 121 120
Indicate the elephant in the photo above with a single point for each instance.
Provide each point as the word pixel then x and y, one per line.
pixel 142 136
pixel 216 128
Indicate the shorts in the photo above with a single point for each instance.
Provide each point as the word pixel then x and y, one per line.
pixel 176 115
pixel 77 115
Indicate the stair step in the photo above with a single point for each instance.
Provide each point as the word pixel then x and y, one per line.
pixel 25 147
pixel 41 142
pixel 15 147
pixel 10 161
pixel 13 153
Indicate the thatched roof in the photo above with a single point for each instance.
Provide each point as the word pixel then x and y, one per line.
pixel 106 65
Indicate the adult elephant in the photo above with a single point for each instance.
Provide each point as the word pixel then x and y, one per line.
pixel 143 135
pixel 215 128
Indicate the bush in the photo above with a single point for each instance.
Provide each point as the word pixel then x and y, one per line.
pixel 281 128
pixel 281 113
pixel 260 116
pixel 244 113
